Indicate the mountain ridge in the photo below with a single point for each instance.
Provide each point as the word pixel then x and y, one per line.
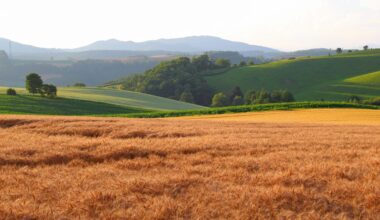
pixel 191 44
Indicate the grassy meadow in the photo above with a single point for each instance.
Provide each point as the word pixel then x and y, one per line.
pixel 329 78
pixel 113 168
pixel 118 97
pixel 28 104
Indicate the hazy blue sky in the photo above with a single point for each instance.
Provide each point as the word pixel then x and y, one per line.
pixel 282 24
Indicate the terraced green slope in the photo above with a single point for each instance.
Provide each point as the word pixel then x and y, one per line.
pixel 121 98
pixel 328 78
pixel 370 79
pixel 27 104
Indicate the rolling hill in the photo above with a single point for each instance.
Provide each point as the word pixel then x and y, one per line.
pixel 369 79
pixel 23 49
pixel 27 104
pixel 328 77
pixel 121 98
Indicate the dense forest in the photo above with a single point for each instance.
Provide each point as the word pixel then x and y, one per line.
pixel 179 79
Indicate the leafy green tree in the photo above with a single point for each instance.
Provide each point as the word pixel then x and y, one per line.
pixel 48 90
pixel 242 63
pixel 220 100
pixel 222 63
pixel 236 91
pixel 366 47
pixel 202 62
pixel 238 100
pixel 79 85
pixel 187 96
pixel 339 50
pixel 251 63
pixel 263 97
pixel 276 96
pixel 11 91
pixel 33 83
pixel 374 101
pixel 250 97
pixel 354 99
pixel 287 96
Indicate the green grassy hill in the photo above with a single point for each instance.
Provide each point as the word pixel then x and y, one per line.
pixel 369 79
pixel 120 98
pixel 315 78
pixel 27 104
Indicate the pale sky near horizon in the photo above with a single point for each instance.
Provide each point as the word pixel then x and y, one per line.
pixel 280 24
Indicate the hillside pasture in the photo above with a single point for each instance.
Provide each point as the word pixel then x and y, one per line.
pixel 119 97
pixel 314 78
pixel 36 105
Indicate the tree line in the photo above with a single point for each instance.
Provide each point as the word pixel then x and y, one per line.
pixel 340 50
pixel 236 97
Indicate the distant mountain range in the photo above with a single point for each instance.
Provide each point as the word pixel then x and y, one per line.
pixel 186 45
pixel 116 49
pixel 194 44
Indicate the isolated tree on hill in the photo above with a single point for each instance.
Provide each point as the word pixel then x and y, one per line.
pixel 11 91
pixel 339 50
pixel 187 96
pixel 220 100
pixel 366 47
pixel 33 83
pixel 48 90
pixel 79 85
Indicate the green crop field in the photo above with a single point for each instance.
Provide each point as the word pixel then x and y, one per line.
pixel 27 104
pixel 315 78
pixel 252 108
pixel 120 98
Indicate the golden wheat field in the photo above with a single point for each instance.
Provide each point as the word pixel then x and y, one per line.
pixel 110 168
